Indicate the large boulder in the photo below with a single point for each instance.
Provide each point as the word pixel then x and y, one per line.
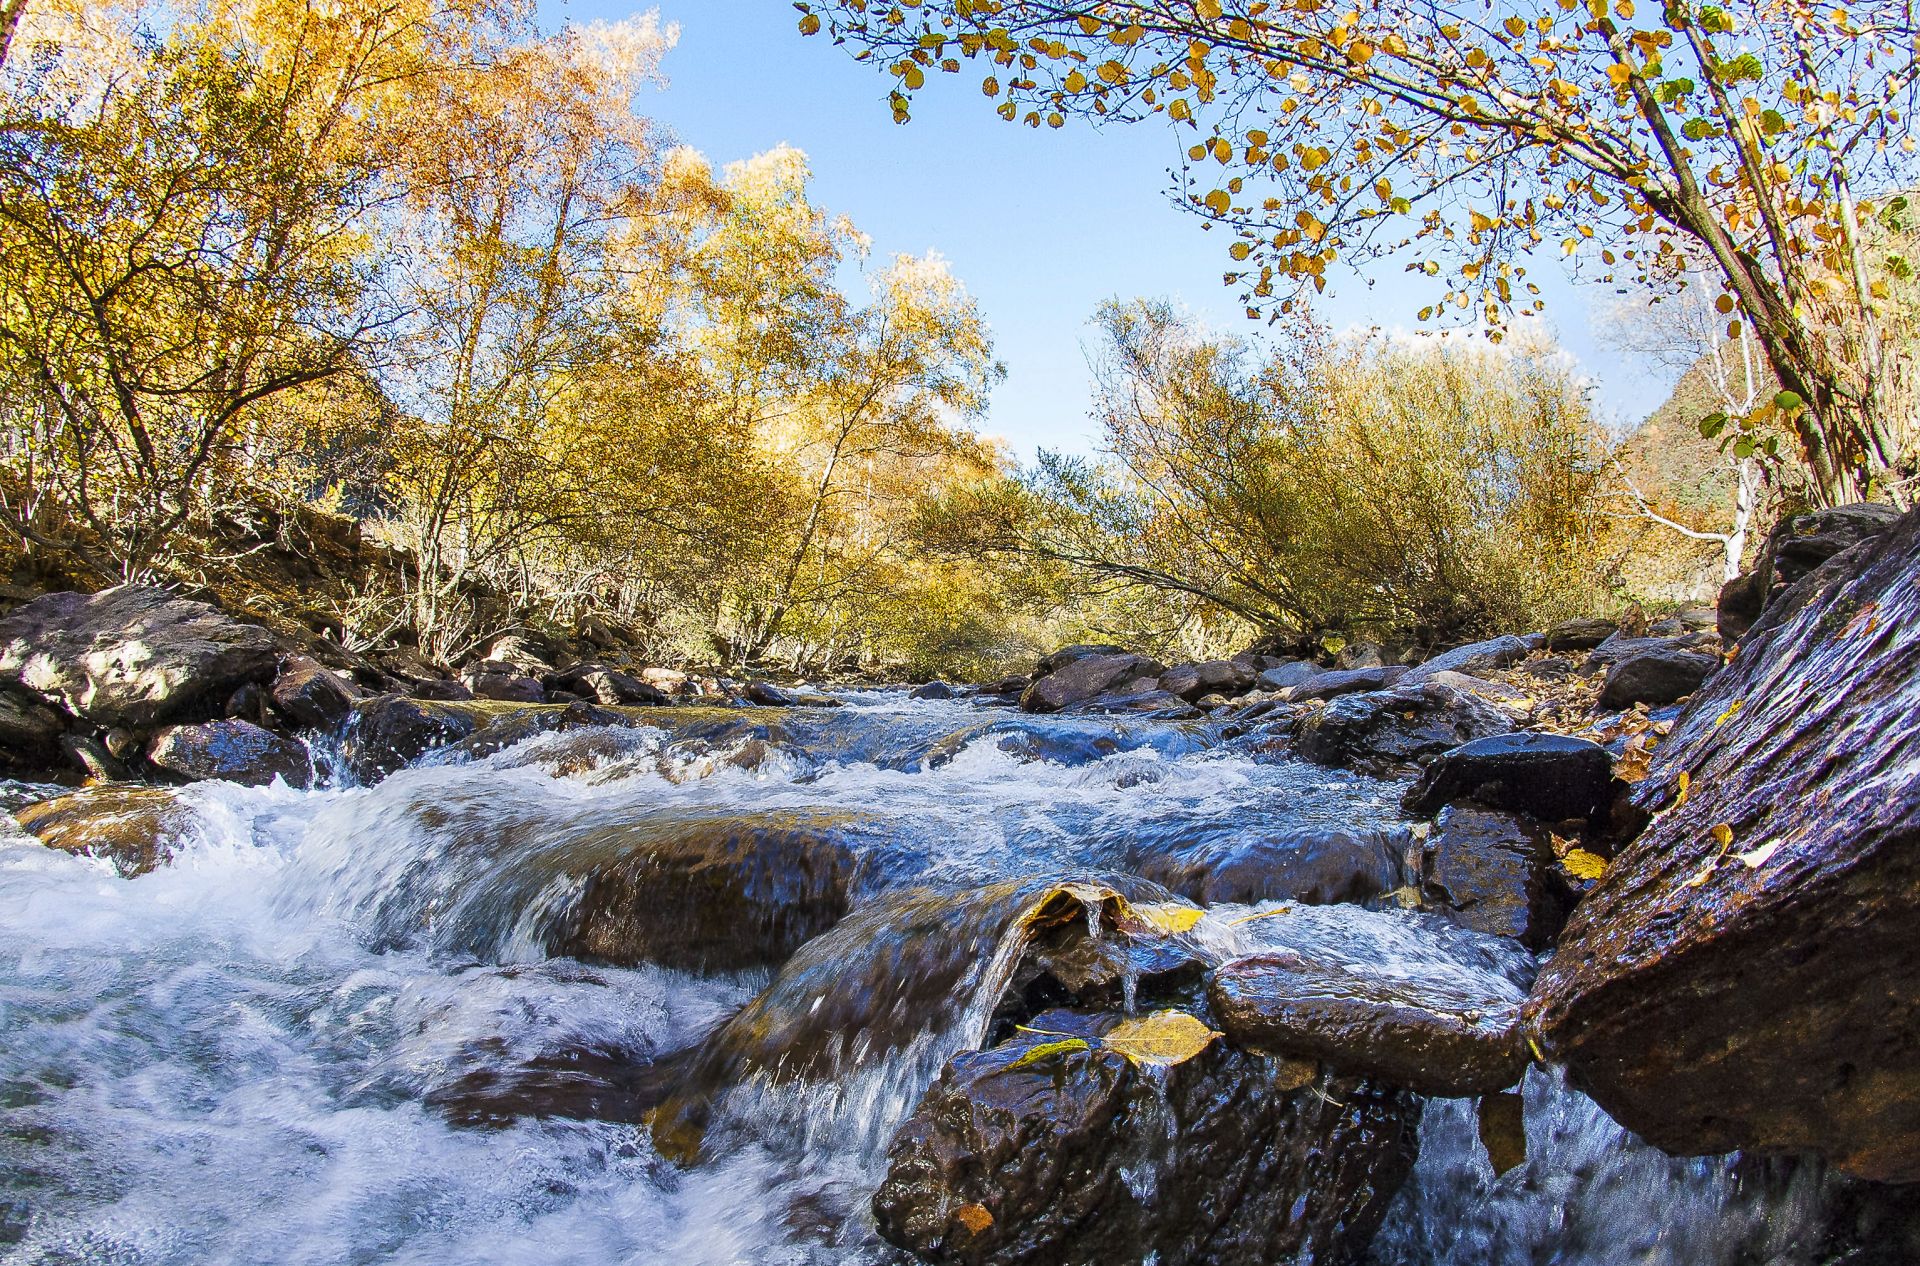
pixel 1215 676
pixel 1345 681
pixel 1071 654
pixel 1798 544
pixel 29 733
pixel 312 695
pixel 705 892
pixel 1656 676
pixel 1087 677
pixel 133 828
pixel 1496 873
pixel 1289 674
pixel 1550 776
pixel 1055 1148
pixel 234 751
pixel 1314 866
pixel 1475 657
pixel 1403 998
pixel 1743 975
pixel 389 732
pixel 1581 634
pixel 130 655
pixel 1391 730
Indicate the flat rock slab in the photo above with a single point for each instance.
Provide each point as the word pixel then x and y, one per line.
pixel 1476 657
pixel 1551 777
pixel 1314 866
pixel 1402 998
pixel 1387 731
pixel 1760 993
pixel 1087 677
pixel 131 655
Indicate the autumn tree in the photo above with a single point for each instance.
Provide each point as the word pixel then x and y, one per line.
pixel 1766 136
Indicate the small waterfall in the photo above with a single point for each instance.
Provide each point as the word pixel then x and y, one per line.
pixel 257 1053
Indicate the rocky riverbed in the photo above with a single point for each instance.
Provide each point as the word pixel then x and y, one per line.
pixel 1248 961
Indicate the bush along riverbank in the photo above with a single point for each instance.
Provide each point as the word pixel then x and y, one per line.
pixel 1678 867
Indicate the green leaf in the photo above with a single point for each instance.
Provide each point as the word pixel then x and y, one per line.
pixel 1789 402
pixel 1712 425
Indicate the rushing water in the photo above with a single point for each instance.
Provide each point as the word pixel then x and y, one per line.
pixel 236 1058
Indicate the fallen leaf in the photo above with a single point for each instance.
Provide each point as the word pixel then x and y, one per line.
pixel 1292 1074
pixel 1161 1040
pixel 1686 789
pixel 1169 916
pixel 975 1217
pixel 1046 1050
pixel 1733 710
pixel 1757 857
pixel 1722 835
pixel 1503 1130
pixel 1584 865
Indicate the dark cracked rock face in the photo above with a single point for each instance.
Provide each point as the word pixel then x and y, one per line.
pixel 1551 777
pixel 236 751
pixel 1053 1148
pixel 1742 977
pixel 1496 872
pixel 1389 731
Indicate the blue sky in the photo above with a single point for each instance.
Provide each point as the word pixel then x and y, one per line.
pixel 1041 225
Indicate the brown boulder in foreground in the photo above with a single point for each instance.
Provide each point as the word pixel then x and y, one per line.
pixel 1743 976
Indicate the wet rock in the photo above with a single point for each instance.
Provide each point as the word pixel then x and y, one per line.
pixel 248 703
pixel 1287 675
pixel 1313 866
pixel 768 695
pixel 705 892
pixel 913 962
pixel 1391 730
pixel 1549 776
pixel 1798 545
pixel 502 688
pixel 1359 655
pixel 1620 646
pixel 440 690
pixel 1761 996
pixel 1154 702
pixel 500 733
pixel 1331 685
pixel 1496 873
pixel 1055 1150
pixel 1493 691
pixel 132 827
pixel 389 732
pixel 1580 634
pixel 93 758
pixel 29 733
pixel 1655 677
pixel 312 695
pixel 1400 998
pixel 1073 654
pixel 233 751
pixel 615 689
pixel 1084 678
pixel 1216 676
pixel 1476 657
pixel 130 655
pixel 933 690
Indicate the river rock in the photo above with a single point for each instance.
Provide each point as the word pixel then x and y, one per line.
pixel 440 690
pixel 1403 998
pixel 506 688
pixel 1072 654
pixel 1550 776
pixel 130 655
pixel 1581 634
pixel 1215 676
pixel 933 690
pixel 312 695
pixel 1475 657
pixel 1656 676
pixel 1496 873
pixel 29 733
pixel 389 732
pixel 1288 675
pixel 1760 996
pixel 132 827
pixel 1331 685
pixel 1390 730
pixel 233 751
pixel 704 892
pixel 1314 866
pixel 1086 677
pixel 1052 1149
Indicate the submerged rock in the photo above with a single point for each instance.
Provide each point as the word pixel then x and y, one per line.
pixel 130 655
pixel 1054 1148
pixel 1548 776
pixel 134 828
pixel 1742 977
pixel 1388 731
pixel 234 751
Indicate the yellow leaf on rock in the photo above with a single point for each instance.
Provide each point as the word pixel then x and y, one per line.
pixel 1757 857
pixel 1162 1039
pixel 1584 865
pixel 975 1217
pixel 1170 917
pixel 1047 1050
